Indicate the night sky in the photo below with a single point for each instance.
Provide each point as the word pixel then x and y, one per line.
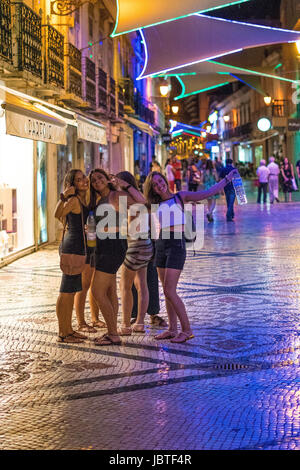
pixel 254 9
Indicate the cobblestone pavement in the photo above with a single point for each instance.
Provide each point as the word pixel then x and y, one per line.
pixel 235 386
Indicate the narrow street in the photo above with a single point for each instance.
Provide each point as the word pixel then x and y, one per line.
pixel 234 386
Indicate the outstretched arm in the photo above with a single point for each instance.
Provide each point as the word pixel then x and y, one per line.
pixel 189 196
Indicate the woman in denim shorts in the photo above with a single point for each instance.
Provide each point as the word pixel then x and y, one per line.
pixel 170 249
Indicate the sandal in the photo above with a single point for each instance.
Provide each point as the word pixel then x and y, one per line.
pixel 78 335
pixel 138 328
pixel 99 324
pixel 166 335
pixel 125 331
pixel 106 340
pixel 69 339
pixel 157 320
pixel 132 321
pixel 87 328
pixel 182 337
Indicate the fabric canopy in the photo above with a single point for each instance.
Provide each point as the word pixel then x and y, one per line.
pixel 135 14
pixel 198 38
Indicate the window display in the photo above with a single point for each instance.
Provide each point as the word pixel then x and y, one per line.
pixel 16 193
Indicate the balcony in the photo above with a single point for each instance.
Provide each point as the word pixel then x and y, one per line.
pixel 89 81
pixel 5 31
pixel 120 102
pixel 102 91
pixel 238 132
pixel 54 63
pixel 112 97
pixel 128 94
pixel 73 79
pixel 27 43
pixel 142 110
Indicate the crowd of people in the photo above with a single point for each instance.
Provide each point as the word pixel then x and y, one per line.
pixel 273 175
pixel 141 260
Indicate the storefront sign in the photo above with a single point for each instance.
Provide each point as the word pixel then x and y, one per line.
pixel 91 133
pixel 294 125
pixel 21 125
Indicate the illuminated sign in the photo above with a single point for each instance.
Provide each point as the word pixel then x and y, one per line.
pixel 264 124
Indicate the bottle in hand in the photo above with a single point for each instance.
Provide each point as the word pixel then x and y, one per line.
pixel 91 231
pixel 239 190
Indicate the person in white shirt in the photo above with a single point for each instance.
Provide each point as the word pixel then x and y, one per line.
pixel 263 178
pixel 273 180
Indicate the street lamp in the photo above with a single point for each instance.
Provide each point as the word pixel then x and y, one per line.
pixel 268 100
pixel 175 108
pixel 164 89
pixel 226 118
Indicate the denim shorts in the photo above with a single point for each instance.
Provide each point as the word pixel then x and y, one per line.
pixel 170 253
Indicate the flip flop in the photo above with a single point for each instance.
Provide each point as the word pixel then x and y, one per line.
pixel 166 335
pixel 99 324
pixel 157 320
pixel 138 328
pixel 87 329
pixel 182 337
pixel 70 339
pixel 106 340
pixel 125 331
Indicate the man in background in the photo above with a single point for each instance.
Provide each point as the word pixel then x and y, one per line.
pixel 178 173
pixel 273 180
pixel 229 190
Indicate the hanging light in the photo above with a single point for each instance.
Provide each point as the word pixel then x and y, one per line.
pixel 175 108
pixel 226 118
pixel 268 100
pixel 164 89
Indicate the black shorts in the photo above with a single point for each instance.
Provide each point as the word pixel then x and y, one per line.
pixel 70 284
pixel 170 253
pixel 110 255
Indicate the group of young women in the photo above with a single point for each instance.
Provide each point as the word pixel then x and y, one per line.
pixel 82 195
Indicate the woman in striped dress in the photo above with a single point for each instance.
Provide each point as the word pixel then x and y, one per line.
pixel 134 270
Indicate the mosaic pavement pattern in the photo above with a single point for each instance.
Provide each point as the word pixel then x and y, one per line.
pixel 235 386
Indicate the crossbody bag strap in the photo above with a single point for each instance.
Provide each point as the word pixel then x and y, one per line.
pixel 83 234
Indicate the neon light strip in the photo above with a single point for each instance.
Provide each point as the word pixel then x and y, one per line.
pixel 268 28
pixel 207 59
pixel 146 54
pixel 175 74
pixel 248 84
pixel 201 91
pixel 114 34
pixel 261 74
pixel 182 86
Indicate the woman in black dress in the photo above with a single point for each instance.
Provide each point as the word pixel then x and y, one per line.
pixel 68 210
pixel 287 173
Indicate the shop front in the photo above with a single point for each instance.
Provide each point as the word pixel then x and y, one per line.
pixel 28 141
pixel 92 148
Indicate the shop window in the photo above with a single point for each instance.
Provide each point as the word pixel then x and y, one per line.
pixel 16 193
pixel 42 191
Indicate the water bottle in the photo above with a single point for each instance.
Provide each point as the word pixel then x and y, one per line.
pixel 239 190
pixel 91 231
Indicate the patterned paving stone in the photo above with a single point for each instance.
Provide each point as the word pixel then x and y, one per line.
pixel 235 386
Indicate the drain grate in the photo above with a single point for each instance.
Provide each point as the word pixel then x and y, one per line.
pixel 230 366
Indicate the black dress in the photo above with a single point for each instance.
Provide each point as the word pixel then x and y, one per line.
pixel 287 186
pixel 73 243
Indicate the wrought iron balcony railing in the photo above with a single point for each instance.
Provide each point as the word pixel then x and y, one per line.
pixel 112 96
pixel 28 52
pixel 128 92
pixel 5 30
pixel 54 64
pixel 102 89
pixel 120 101
pixel 142 110
pixel 89 81
pixel 73 79
pixel 239 131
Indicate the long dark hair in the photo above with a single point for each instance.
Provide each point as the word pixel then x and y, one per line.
pixel 128 177
pixel 94 194
pixel 209 166
pixel 69 179
pixel 151 196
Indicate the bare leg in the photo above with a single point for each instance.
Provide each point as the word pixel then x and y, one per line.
pixel 102 288
pixel 127 278
pixel 141 285
pixel 80 297
pixel 64 309
pixel 171 277
pixel 172 316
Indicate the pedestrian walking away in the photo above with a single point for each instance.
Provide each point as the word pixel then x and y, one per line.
pixel 210 178
pixel 287 173
pixel 263 177
pixel 170 251
pixel 273 180
pixel 229 190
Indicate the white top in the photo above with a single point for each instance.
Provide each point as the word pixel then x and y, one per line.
pixel 263 174
pixel 170 213
pixel 169 173
pixel 273 169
